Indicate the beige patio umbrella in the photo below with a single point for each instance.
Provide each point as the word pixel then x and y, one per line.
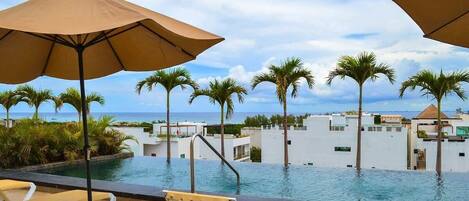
pixel 442 20
pixel 86 39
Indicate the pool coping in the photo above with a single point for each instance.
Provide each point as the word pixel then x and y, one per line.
pixel 119 189
pixel 31 168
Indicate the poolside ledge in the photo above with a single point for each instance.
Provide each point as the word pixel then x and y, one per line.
pixel 124 192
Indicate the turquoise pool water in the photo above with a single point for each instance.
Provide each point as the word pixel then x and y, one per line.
pixel 273 181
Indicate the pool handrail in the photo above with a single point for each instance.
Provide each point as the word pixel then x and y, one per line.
pixel 192 161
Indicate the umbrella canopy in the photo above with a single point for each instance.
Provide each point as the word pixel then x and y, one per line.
pixel 39 38
pixel 86 39
pixel 442 20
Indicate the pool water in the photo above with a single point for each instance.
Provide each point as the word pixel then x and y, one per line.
pixel 273 181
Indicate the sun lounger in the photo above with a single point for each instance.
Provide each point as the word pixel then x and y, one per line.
pixel 75 195
pixel 183 196
pixel 6 185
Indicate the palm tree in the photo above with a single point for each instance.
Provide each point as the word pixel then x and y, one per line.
pixel 35 98
pixel 169 79
pixel 361 68
pixel 221 93
pixel 437 86
pixel 9 99
pixel 288 74
pixel 72 97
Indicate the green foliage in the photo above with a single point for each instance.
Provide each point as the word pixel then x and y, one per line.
pixel 361 68
pixel 260 120
pixel 256 154
pixel 35 98
pixel 168 79
pixel 422 134
pixel 221 92
pixel 147 127
pixel 437 85
pixel 72 97
pixel 256 121
pixel 234 129
pixel 351 112
pixel 377 119
pixel 32 142
pixel 286 75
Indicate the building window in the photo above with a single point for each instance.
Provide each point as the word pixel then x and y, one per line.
pixel 337 128
pixel 388 129
pixel 462 154
pixel 375 129
pixel 289 142
pixel 398 129
pixel 462 131
pixel 182 156
pixel 343 149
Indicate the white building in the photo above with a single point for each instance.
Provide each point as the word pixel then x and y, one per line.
pixel 330 141
pixel 455 146
pixel 236 149
pixel 154 144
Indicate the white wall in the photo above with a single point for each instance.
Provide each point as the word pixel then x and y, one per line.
pixel 139 134
pixel 316 145
pixel 255 134
pixel 160 150
pixel 450 159
pixel 230 144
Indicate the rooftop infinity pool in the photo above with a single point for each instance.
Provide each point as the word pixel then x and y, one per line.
pixel 273 181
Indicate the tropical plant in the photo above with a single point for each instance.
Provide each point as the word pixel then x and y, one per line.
pixel 288 74
pixel 30 142
pixel 107 140
pixel 362 68
pixel 168 79
pixel 221 93
pixel 437 86
pixel 34 98
pixel 256 121
pixel 8 99
pixel 72 97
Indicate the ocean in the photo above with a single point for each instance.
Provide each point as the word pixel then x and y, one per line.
pixel 207 117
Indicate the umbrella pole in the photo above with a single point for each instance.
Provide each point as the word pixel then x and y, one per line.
pixel 84 113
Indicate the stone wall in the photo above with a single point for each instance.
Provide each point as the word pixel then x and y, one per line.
pixel 123 155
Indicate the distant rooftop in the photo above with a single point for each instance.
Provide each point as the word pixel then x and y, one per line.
pixel 431 112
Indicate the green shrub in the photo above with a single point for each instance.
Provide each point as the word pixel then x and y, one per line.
pixel 31 142
pixel 234 129
pixel 256 154
pixel 422 134
pixel 256 121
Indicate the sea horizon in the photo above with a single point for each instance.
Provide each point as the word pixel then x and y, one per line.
pixel 206 117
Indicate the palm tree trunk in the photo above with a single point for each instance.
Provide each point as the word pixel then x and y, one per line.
pixel 359 130
pixel 438 144
pixel 168 131
pixel 285 134
pixel 222 130
pixel 8 118
pixel 36 113
pixel 79 117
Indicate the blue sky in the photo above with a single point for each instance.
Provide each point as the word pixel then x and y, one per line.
pixel 263 32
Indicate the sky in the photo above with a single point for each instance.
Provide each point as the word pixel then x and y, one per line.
pixel 259 33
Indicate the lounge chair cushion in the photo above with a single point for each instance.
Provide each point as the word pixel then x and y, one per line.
pixel 75 195
pixel 183 196
pixel 7 184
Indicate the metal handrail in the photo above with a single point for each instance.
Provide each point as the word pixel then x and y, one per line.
pixel 192 161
